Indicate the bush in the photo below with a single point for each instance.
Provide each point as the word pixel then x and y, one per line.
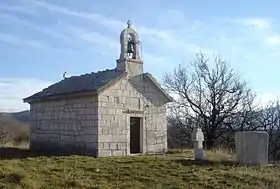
pixel 23 137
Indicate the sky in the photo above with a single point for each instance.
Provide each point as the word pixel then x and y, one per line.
pixel 41 39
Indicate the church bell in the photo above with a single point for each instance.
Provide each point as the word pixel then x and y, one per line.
pixel 130 48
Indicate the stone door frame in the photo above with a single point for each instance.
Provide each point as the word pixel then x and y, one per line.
pixel 142 131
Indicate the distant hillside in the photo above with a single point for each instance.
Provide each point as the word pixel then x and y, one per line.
pixel 11 128
pixel 9 121
pixel 22 117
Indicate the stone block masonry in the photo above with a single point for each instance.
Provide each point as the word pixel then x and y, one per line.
pixel 114 120
pixel 65 125
pixel 100 125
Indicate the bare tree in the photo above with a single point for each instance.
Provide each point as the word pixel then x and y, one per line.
pixel 180 127
pixel 269 121
pixel 211 98
pixel 4 135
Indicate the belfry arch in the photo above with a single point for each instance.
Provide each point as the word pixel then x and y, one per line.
pixel 130 60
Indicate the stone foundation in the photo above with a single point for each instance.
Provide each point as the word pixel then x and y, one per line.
pixel 61 148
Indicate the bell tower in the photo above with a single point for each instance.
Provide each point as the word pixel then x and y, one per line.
pixel 130 60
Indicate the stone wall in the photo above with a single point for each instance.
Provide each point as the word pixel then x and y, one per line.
pixel 114 122
pixel 68 124
pixel 101 126
pixel 155 114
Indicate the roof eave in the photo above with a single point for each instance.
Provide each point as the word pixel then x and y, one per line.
pixel 93 92
pixel 169 98
pixel 57 97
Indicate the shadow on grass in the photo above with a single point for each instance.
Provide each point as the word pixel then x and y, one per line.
pixel 19 153
pixel 208 163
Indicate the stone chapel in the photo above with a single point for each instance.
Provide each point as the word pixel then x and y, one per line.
pixel 114 112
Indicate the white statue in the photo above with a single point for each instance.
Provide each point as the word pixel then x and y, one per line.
pixel 198 138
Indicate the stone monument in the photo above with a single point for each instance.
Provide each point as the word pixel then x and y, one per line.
pixel 198 138
pixel 252 147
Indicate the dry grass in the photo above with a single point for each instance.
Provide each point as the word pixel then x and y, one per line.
pixel 175 170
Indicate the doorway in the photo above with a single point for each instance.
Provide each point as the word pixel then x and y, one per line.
pixel 135 133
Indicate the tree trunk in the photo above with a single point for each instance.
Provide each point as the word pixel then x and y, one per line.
pixel 210 140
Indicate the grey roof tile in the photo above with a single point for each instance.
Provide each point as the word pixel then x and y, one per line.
pixel 78 84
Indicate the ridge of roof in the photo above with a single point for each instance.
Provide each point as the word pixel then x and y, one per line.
pixel 88 82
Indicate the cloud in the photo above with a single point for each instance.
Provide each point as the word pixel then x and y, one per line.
pixel 265 98
pixel 58 31
pixel 98 18
pixel 258 23
pixel 13 90
pixel 247 39
pixel 154 35
pixel 173 39
pixel 46 30
pixel 158 34
pixel 273 40
pixel 180 39
pixel 155 62
pixel 66 32
pixel 19 9
pixel 90 36
pixel 17 41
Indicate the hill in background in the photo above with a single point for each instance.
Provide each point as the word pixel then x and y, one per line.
pixel 22 117
pixel 13 126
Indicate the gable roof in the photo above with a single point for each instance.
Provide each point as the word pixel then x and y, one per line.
pixel 78 84
pixel 93 82
pixel 154 81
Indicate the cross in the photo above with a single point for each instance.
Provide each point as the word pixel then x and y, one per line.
pixel 129 23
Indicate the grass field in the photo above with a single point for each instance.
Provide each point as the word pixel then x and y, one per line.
pixel 175 170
